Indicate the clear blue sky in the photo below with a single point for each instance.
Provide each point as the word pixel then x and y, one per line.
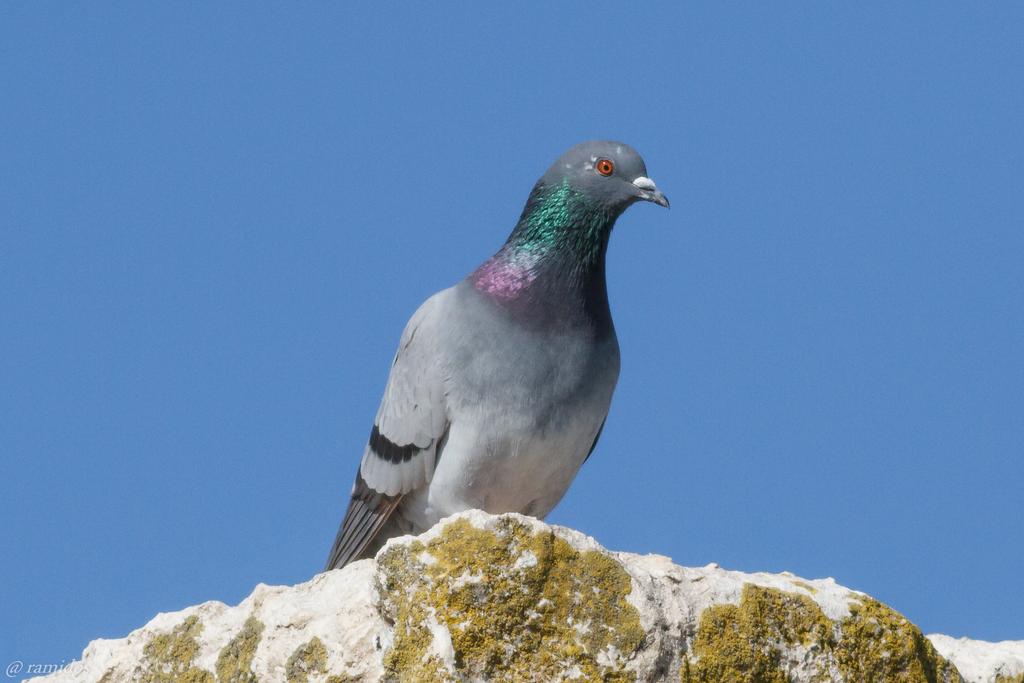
pixel 214 222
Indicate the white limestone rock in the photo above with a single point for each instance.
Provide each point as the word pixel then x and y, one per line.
pixel 982 662
pixel 509 598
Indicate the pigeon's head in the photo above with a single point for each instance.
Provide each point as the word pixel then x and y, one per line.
pixel 609 173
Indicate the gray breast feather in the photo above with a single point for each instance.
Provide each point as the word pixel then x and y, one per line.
pixel 506 372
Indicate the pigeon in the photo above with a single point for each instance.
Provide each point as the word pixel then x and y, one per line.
pixel 501 384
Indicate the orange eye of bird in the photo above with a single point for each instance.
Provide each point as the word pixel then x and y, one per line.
pixel 605 167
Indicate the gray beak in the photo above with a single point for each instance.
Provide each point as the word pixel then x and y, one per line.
pixel 649 192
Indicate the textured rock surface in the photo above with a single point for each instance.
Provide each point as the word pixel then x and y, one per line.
pixel 509 598
pixel 983 662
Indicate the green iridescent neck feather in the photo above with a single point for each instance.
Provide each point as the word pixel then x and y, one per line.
pixel 562 221
pixel 551 271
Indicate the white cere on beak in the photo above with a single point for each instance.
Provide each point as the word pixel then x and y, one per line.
pixel 645 183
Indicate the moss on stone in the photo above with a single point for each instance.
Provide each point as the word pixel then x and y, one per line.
pixel 234 663
pixel 517 605
pixel 168 657
pixel 746 643
pixel 309 658
pixel 879 644
pixel 806 586
pixel 742 643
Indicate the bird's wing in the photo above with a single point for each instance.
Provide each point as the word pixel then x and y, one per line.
pixel 407 435
pixel 596 437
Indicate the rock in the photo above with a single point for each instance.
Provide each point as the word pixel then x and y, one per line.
pixel 983 662
pixel 509 598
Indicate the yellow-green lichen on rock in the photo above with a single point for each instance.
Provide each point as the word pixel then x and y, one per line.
pixel 234 663
pixel 516 604
pixel 343 678
pixel 1019 678
pixel 168 657
pixel 770 632
pixel 879 644
pixel 806 586
pixel 308 658
pixel 743 643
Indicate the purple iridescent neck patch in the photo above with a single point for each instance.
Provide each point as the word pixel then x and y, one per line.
pixel 504 276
